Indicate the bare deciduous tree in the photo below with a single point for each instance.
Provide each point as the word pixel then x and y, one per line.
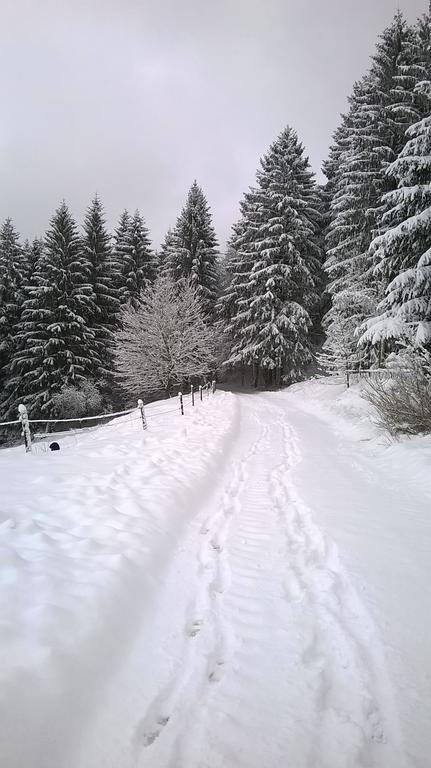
pixel 164 341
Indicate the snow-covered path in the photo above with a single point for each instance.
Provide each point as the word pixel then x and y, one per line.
pixel 282 665
pixel 247 634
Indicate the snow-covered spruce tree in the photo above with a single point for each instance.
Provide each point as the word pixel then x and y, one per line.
pixel 122 256
pixel 235 274
pixel 323 200
pixel 140 261
pixel 340 351
pixel 192 250
pixel 423 41
pixel 239 258
pixel 31 255
pixel 228 268
pixel 275 300
pixel 165 253
pixel 134 261
pixel 382 106
pixel 104 278
pixel 55 341
pixel 12 278
pixel 164 340
pixel 354 179
pixel 403 251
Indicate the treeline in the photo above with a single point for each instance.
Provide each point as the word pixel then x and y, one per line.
pixel 378 238
pixel 339 274
pixel 355 254
pixel 62 297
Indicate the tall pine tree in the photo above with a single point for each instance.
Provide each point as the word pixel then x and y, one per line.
pixel 121 255
pixel 141 269
pixel 403 251
pixel 239 258
pixel 104 279
pixel 164 254
pixel 55 343
pixel 134 261
pixel 382 107
pixel 279 237
pixel 192 249
pixel 12 280
pixel 31 255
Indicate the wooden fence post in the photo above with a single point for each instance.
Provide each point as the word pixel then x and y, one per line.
pixel 143 417
pixel 213 386
pixel 180 397
pixel 192 391
pixel 200 391
pixel 23 417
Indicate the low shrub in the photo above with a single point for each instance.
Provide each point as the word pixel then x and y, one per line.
pixel 403 401
pixel 74 402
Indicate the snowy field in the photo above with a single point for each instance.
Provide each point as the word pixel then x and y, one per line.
pixel 247 586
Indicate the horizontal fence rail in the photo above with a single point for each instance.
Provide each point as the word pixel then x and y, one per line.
pixel 81 418
pixel 140 413
pixel 358 373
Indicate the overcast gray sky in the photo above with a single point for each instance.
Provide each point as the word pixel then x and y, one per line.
pixel 134 99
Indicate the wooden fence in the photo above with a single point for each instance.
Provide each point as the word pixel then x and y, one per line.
pixel 28 427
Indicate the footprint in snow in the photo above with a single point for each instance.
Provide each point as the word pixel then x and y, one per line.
pixel 216 670
pixel 194 627
pixel 147 735
pixel 373 716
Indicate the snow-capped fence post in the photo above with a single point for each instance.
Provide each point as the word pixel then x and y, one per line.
pixel 213 386
pixel 192 392
pixel 142 410
pixel 180 397
pixel 200 391
pixel 348 378
pixel 23 417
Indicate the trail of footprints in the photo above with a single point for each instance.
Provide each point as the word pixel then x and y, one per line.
pixel 214 573
pixel 312 576
pixel 214 554
pixel 315 577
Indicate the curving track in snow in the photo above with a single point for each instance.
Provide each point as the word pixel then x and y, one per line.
pixel 259 652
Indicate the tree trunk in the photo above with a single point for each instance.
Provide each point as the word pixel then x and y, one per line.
pixel 256 376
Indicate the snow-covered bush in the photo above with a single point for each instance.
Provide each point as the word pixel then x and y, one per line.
pixel 164 341
pixel 403 401
pixel 73 402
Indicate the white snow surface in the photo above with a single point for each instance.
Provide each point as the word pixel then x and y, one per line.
pixel 247 586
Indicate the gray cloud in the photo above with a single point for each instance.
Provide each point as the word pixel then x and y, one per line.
pixel 136 99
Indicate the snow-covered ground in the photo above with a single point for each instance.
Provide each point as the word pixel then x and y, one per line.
pixel 247 586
